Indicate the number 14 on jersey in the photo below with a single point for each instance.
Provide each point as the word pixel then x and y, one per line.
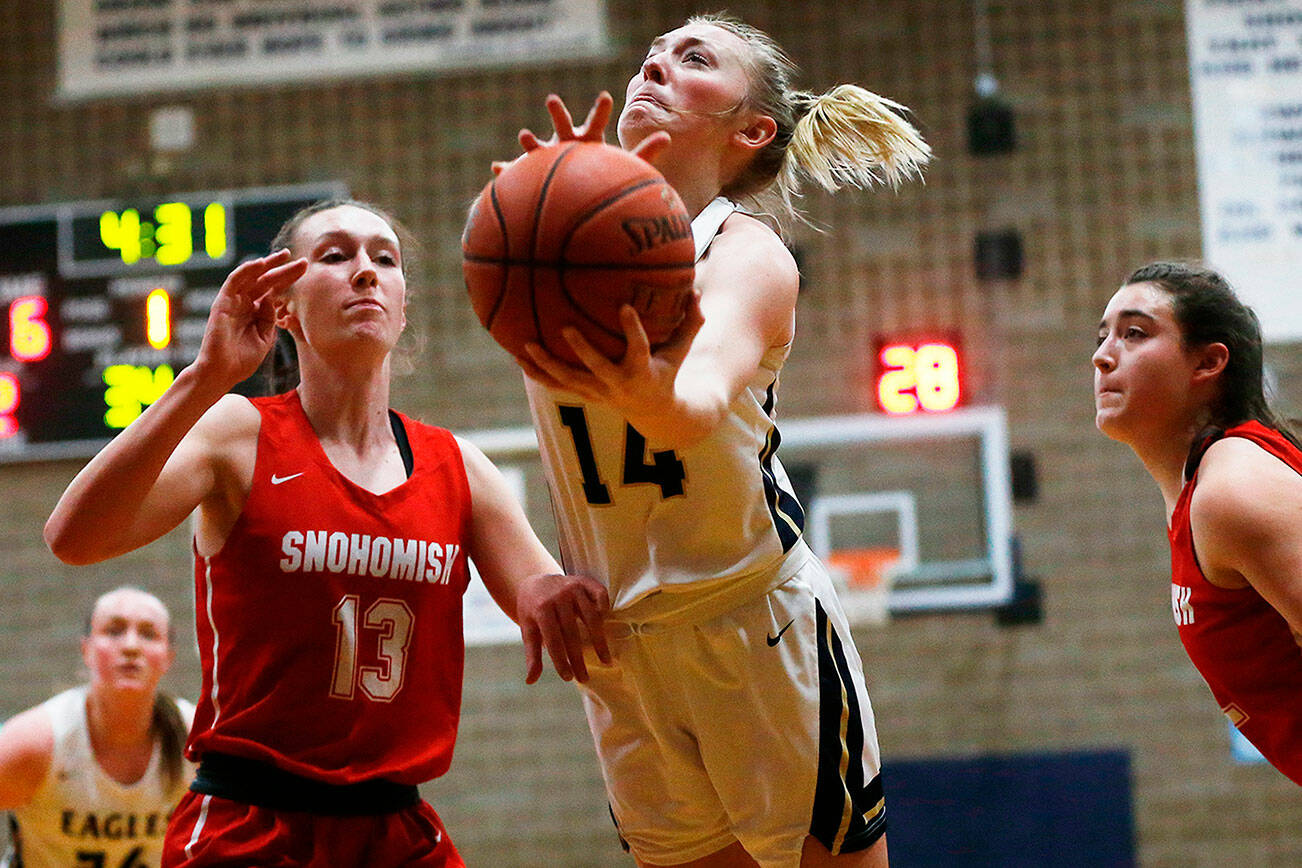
pixel 665 469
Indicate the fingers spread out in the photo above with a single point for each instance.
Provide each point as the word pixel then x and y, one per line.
pixel 571 624
pixel 592 130
pixel 567 615
pixel 560 117
pixel 594 126
pixel 551 629
pixel 570 645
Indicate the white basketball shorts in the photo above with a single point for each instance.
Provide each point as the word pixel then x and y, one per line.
pixel 754 725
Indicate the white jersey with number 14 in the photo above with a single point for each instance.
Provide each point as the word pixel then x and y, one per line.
pixel 642 518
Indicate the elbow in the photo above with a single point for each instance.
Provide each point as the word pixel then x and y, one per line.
pixel 64 545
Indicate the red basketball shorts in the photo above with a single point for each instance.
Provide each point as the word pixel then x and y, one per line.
pixel 210 831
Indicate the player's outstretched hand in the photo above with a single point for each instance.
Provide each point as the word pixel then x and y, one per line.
pixel 242 324
pixel 593 129
pixel 563 614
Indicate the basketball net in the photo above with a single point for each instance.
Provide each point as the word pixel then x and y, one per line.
pixel 863 579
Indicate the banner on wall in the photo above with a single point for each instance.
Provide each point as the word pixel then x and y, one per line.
pixel 133 47
pixel 1245 63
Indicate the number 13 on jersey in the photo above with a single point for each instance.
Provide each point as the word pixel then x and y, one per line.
pixel 387 622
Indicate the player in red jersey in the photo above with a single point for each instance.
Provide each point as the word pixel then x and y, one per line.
pixel 330 559
pixel 1178 377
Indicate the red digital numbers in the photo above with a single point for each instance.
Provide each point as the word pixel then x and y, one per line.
pixel 30 340
pixel 918 376
pixel 29 333
pixel 10 394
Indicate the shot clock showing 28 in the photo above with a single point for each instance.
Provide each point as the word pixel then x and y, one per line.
pixel 103 302
pixel 918 375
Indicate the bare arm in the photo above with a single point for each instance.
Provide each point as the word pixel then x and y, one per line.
pixel 147 480
pixel 679 394
pixel 562 613
pixel 26 749
pixel 153 474
pixel 1246 515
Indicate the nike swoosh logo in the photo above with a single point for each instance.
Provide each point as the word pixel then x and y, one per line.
pixel 773 640
pixel 276 480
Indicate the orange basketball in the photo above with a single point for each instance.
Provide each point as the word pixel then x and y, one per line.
pixel 568 234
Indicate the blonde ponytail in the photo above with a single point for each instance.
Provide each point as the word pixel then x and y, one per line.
pixel 846 137
pixel 853 137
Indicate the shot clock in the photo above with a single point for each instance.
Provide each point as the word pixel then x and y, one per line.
pixel 103 303
pixel 916 375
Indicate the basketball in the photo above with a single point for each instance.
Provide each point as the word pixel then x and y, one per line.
pixel 568 234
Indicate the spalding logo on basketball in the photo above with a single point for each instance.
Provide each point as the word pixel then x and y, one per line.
pixel 568 234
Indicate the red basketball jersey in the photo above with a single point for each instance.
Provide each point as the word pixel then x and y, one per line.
pixel 329 624
pixel 1240 645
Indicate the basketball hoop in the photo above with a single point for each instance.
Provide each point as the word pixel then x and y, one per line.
pixel 863 581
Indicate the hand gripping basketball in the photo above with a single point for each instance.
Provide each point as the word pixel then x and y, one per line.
pixel 568 234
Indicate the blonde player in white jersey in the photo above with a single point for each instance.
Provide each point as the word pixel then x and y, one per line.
pixel 92 774
pixel 733 727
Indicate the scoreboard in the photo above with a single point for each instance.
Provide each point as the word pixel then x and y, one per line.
pixel 103 302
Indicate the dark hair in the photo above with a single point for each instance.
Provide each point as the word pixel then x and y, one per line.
pixel 169 726
pixel 280 367
pixel 1208 312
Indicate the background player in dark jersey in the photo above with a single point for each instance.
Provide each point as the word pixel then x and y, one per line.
pixel 1178 378
pixel 734 727
pixel 331 544
pixel 92 774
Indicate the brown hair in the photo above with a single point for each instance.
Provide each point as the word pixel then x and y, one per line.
pixel 280 368
pixel 1208 311
pixel 169 728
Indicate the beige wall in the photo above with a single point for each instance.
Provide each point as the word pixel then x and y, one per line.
pixel 1102 180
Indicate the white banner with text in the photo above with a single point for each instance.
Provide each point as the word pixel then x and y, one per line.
pixel 1245 65
pixel 136 47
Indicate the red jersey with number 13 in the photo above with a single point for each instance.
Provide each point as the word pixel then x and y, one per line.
pixel 329 623
pixel 1240 644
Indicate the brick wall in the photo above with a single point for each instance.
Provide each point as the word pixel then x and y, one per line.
pixel 1101 181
